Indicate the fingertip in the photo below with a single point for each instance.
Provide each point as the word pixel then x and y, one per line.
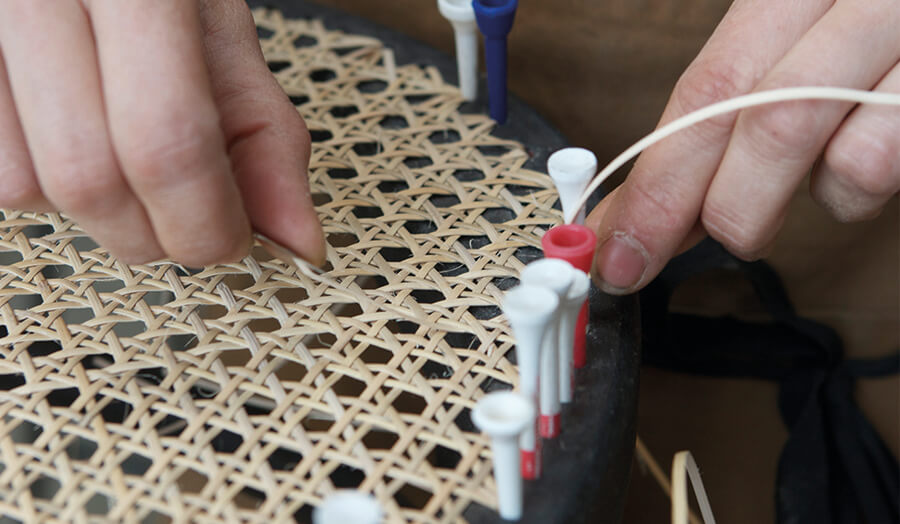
pixel 241 246
pixel 270 165
pixel 753 256
pixel 621 264
pixel 210 245
pixel 835 190
pixel 307 236
pixel 146 256
pixel 313 252
pixel 136 247
pixel 307 239
pixel 278 201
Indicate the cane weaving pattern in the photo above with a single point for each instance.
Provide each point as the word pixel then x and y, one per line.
pixel 248 392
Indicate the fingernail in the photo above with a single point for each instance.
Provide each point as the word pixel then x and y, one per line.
pixel 620 263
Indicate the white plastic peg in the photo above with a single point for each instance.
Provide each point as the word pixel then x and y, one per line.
pixel 462 16
pixel 570 307
pixel 556 275
pixel 572 169
pixel 504 415
pixel 347 505
pixel 530 310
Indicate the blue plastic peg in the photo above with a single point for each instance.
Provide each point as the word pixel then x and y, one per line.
pixel 495 20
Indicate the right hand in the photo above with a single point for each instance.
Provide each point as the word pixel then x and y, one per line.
pixel 733 177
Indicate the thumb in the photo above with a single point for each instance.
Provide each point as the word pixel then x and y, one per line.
pixel 267 139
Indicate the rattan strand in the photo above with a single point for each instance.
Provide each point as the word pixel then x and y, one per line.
pixel 247 392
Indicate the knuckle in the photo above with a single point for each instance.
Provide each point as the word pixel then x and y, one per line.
pixel 159 157
pixel 226 24
pixel 658 212
pixel 742 237
pixel 657 205
pixel 789 126
pixel 81 183
pixel 710 81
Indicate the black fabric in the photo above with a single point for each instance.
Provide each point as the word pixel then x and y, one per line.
pixel 834 468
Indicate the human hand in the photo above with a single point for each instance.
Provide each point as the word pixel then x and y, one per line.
pixel 733 177
pixel 155 124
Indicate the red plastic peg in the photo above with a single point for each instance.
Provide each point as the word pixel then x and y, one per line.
pixel 576 245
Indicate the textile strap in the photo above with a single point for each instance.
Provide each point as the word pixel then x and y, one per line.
pixel 834 468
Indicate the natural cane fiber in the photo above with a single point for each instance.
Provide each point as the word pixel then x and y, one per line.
pixel 248 392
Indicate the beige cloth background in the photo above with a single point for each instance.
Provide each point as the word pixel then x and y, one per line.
pixel 601 73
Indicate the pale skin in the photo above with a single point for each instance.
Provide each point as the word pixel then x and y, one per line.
pixel 732 178
pixel 158 127
pixel 156 124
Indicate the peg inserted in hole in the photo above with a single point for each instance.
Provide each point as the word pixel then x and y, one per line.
pixel 572 169
pixel 530 310
pixel 495 20
pixel 345 506
pixel 461 16
pixel 557 276
pixel 575 244
pixel 504 415
pixel 570 308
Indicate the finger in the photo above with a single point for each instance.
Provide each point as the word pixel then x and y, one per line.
pixel 595 218
pixel 20 187
pixel 267 140
pixel 165 127
pixel 691 239
pixel 861 169
pixel 661 199
pixel 65 126
pixel 774 146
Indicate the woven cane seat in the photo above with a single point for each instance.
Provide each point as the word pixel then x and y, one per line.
pixel 250 391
